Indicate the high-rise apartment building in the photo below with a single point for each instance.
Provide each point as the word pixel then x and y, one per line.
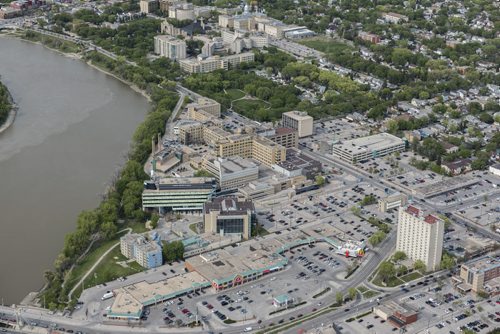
pixel 170 47
pixel 420 236
pixel 298 120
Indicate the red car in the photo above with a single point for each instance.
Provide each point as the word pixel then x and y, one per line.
pixel 185 311
pixel 209 306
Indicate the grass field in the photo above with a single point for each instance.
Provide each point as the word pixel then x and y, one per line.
pixel 362 289
pixel 410 277
pixel 82 267
pixel 370 294
pixel 247 107
pixel 109 270
pixel 391 282
pixel 325 44
pixel 235 94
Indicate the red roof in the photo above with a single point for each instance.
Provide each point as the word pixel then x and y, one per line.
pixel 412 210
pixel 430 219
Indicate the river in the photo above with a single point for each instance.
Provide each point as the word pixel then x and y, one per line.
pixel 71 134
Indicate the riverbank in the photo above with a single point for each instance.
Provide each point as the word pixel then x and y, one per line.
pixel 131 85
pixel 12 112
pixel 78 56
pixel 107 101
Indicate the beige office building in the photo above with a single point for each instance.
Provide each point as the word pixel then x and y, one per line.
pixel 392 201
pixel 148 6
pixel 190 133
pixel 170 47
pixel 232 172
pixel 267 152
pixel 420 236
pixel 481 274
pixel 212 135
pixel 286 137
pixel 228 215
pixel 299 121
pixel 181 11
pixel 209 106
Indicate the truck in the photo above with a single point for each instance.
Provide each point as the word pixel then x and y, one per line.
pixel 108 295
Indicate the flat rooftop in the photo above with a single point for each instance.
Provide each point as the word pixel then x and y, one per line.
pixel 143 292
pixel 372 143
pixel 446 185
pixel 228 206
pixel 483 264
pixel 223 264
pixel 235 164
pixel 298 115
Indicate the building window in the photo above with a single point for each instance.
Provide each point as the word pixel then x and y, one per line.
pixel 232 225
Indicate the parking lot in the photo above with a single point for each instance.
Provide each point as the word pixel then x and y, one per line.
pixel 333 208
pixel 339 129
pixel 321 270
pixel 441 310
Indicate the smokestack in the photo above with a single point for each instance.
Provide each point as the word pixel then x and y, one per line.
pixel 159 140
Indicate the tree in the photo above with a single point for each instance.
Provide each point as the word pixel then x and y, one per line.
pixel 339 298
pixel 447 261
pixel 172 251
pixel 419 265
pixel 320 180
pixel 154 220
pixel 402 269
pixel 352 293
pixel 386 270
pixel 399 256
pixel 108 230
pixel 356 210
pixel 369 199
pixel 377 238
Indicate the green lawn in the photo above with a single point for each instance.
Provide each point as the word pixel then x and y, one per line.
pixel 82 267
pixel 108 270
pixel 362 289
pixel 410 277
pixel 248 107
pixel 235 94
pixel 370 294
pixel 136 227
pixel 392 282
pixel 324 44
pixel 98 249
pixel 192 227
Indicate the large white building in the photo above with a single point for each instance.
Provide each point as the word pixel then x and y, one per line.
pixel 420 236
pixel 232 172
pixel 298 120
pixel 170 47
pixel 361 149
pixel 210 64
pixel 182 194
pixel 181 11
